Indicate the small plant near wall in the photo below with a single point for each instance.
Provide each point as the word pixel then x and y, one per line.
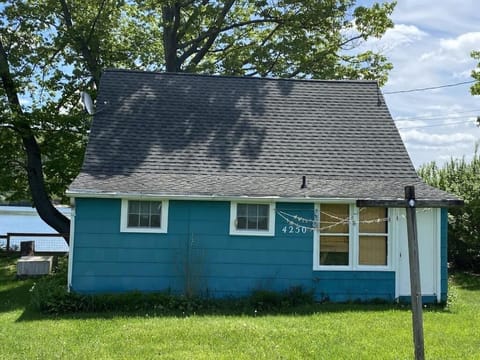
pixel 49 295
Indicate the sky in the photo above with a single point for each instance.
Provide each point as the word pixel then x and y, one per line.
pixel 430 46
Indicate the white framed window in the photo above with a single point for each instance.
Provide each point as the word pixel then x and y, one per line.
pixel 373 237
pixel 144 216
pixel 334 236
pixel 252 218
pixel 349 238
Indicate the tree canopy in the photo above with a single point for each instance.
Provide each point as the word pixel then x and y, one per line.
pixel 50 50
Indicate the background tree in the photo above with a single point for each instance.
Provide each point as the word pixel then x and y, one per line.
pixel 461 178
pixel 475 89
pixel 44 60
pixel 52 49
pixel 289 38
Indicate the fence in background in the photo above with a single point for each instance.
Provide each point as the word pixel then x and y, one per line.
pixel 60 244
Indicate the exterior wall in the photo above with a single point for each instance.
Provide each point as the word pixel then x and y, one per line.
pixel 432 226
pixel 198 255
pixel 443 255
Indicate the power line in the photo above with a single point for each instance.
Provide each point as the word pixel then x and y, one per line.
pixel 437 117
pixel 428 88
pixel 436 125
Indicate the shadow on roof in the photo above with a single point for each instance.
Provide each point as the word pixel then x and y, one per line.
pixel 161 121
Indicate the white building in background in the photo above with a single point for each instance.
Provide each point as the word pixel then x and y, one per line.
pixel 23 219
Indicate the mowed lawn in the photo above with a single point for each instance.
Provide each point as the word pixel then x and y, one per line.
pixel 322 331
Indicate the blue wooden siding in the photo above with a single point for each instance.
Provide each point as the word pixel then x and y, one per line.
pixel 198 255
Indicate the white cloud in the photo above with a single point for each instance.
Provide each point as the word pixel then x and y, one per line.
pixel 465 74
pixel 401 35
pixel 430 46
pixel 442 17
pixel 465 42
pixel 437 140
pixel 454 53
pixel 405 123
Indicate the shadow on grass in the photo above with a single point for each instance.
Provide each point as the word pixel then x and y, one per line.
pixel 14 293
pixel 466 281
pixel 7 265
pixel 230 310
pixel 15 296
pixel 31 314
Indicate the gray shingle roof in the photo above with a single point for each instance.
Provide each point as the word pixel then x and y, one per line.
pixel 181 134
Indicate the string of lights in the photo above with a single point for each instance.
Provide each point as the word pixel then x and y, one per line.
pixel 300 222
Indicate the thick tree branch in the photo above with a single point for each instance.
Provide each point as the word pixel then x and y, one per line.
pixel 200 50
pixel 198 40
pixel 200 54
pixel 94 22
pixel 186 27
pixel 83 44
pixel 272 65
pixel 8 83
pixel 270 34
pixel 347 41
pixel 34 168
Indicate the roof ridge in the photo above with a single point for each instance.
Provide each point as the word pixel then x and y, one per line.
pixel 149 72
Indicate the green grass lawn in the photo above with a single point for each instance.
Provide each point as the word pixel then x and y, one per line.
pixel 322 331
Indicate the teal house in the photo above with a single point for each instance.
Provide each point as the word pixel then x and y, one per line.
pixel 219 186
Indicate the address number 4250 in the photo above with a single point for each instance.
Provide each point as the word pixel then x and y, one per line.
pixel 294 229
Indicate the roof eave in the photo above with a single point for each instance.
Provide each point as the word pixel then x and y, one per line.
pixel 359 201
pixel 200 197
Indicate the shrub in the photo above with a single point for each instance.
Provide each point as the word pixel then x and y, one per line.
pixel 266 300
pixel 263 300
pixel 50 296
pixel 297 296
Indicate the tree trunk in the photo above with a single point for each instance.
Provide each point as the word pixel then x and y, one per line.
pixel 41 200
pixel 36 181
pixel 171 19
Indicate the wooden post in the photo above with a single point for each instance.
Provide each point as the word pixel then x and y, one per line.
pixel 410 204
pixel 415 287
pixel 27 248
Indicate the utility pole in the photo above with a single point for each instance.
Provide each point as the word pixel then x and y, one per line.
pixel 415 288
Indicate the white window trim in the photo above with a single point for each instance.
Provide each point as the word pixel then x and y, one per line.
pixel 356 249
pixel 163 219
pixel 271 220
pixel 316 245
pixel 353 246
